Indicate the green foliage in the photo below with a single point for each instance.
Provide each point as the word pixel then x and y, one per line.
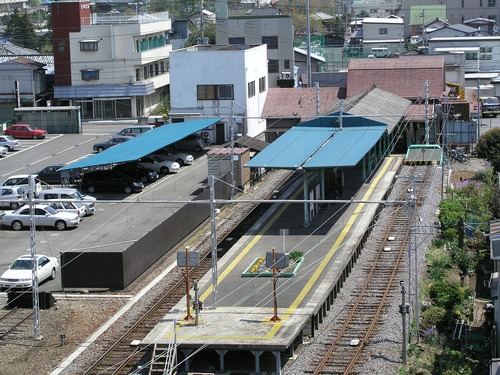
pixel 434 316
pixel 465 260
pixel 296 256
pixel 20 29
pixel 438 268
pixel 163 108
pixel 446 295
pixel 488 147
pixel 450 213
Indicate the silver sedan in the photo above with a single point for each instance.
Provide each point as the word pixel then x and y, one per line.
pixel 44 216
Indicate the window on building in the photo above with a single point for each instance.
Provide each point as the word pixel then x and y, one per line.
pixel 237 40
pixel 90 74
pixel 157 69
pixel 262 84
pixel 145 71
pixel 138 75
pixel 492 3
pixel 383 31
pixel 61 46
pixel 480 3
pixel 162 66
pixel 486 53
pixel 463 1
pixel 287 64
pixel 151 70
pixel 89 45
pixel 215 92
pixel 251 89
pixel 273 66
pixel 471 56
pixel 271 41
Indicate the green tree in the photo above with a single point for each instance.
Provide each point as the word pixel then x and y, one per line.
pixel 450 213
pixel 446 295
pixel 488 147
pixel 20 29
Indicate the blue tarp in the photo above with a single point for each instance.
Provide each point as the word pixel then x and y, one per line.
pixel 144 144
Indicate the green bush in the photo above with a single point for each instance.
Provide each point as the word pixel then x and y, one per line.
pixel 446 295
pixel 296 256
pixel 434 316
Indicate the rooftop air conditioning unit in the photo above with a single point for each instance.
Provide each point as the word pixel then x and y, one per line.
pixel 286 75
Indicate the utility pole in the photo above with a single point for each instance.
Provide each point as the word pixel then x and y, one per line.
pixel 404 310
pixel 34 262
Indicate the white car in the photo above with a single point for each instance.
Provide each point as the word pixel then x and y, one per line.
pixel 19 273
pixel 73 207
pixel 12 197
pixel 179 157
pixel 71 195
pixel 159 165
pixel 44 216
pixel 9 142
pixel 3 151
pixel 21 180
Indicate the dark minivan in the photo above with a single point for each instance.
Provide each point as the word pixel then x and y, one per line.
pixel 109 180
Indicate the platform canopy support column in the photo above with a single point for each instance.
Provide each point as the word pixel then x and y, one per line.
pixel 306 197
pixel 277 355
pixel 187 356
pixel 221 354
pixel 257 354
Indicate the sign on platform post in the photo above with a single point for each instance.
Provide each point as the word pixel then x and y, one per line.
pixel 193 259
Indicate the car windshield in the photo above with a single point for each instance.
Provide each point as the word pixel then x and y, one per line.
pixel 29 128
pixel 21 264
pixel 156 158
pixel 77 195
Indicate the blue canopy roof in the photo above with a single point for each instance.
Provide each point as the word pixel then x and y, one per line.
pixel 144 144
pixel 318 147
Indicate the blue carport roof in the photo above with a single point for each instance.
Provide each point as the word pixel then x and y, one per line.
pixel 143 145
pixel 318 147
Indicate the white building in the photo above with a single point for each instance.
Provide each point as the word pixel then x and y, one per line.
pixel 112 66
pixel 275 30
pixel 227 81
pixel 383 33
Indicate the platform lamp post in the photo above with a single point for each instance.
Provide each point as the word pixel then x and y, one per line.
pixel 404 309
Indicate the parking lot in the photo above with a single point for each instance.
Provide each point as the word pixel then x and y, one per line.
pixel 117 223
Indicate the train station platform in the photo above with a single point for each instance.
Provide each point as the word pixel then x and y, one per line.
pixel 240 324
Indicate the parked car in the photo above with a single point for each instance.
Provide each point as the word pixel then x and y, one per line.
pixel 22 181
pixel 159 165
pixel 73 207
pixel 3 151
pixel 10 143
pixel 137 171
pixel 71 195
pixel 25 131
pixel 110 180
pixel 19 274
pixel 133 131
pixel 12 197
pixel 44 216
pixel 179 157
pixel 192 142
pixel 52 175
pixel 101 146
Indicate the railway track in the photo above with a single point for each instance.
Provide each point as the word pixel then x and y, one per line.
pixel 13 322
pixel 348 338
pixel 121 357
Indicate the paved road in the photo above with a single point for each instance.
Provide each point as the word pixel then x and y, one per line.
pixel 115 225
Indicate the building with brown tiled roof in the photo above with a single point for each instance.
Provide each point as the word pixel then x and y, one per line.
pixel 286 107
pixel 403 77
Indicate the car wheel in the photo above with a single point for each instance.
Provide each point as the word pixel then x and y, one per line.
pixel 128 189
pixel 180 161
pixel 100 149
pixel 8 148
pixel 197 148
pixel 164 170
pixel 14 205
pixel 144 179
pixel 53 274
pixel 35 136
pixel 17 225
pixel 60 225
pixel 91 189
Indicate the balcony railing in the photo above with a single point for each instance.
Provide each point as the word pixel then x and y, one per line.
pixel 112 19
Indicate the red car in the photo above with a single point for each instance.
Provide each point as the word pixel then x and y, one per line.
pixel 25 131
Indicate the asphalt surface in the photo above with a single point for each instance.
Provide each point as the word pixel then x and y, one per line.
pixel 114 224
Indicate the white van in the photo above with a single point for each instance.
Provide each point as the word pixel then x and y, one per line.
pixel 381 52
pixel 70 194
